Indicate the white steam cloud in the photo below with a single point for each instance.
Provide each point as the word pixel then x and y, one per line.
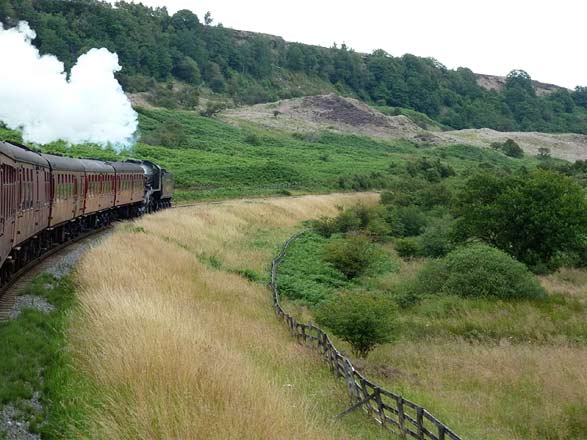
pixel 37 98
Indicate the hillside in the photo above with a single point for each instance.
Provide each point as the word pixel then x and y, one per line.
pixel 240 67
pixel 315 114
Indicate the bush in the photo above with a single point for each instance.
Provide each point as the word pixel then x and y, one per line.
pixel 437 239
pixel 351 256
pixel 407 221
pixel 478 270
pixel 357 218
pixel 213 108
pixel 253 139
pixel 512 149
pixel 362 319
pixel 407 247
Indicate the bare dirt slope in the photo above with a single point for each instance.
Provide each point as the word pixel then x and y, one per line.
pixel 333 112
pixel 327 112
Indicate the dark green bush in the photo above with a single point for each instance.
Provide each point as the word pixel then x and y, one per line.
pixel 362 319
pixel 437 239
pixel 252 139
pixel 407 247
pixel 351 256
pixel 512 149
pixel 478 270
pixel 407 221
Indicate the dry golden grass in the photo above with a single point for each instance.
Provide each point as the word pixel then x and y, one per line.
pixel 497 392
pixel 179 349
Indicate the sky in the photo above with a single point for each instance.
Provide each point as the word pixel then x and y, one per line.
pixel 545 38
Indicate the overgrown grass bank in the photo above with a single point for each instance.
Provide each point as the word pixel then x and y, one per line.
pixel 181 344
pixel 34 365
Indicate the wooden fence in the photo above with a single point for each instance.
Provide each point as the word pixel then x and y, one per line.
pixel 390 410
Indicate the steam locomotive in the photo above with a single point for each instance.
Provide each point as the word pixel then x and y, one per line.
pixel 46 200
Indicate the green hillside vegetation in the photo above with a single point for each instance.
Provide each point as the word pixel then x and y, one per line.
pixel 249 68
pixel 211 159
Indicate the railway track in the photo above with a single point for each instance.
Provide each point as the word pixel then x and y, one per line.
pixel 10 291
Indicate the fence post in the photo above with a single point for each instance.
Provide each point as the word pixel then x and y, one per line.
pixel 380 406
pixel 401 416
pixel 366 395
pixel 441 432
pixel 420 421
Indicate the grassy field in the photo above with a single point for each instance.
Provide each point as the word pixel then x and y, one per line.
pixel 178 342
pixel 211 159
pixel 488 368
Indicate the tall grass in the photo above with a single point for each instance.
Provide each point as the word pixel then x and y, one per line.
pixel 181 348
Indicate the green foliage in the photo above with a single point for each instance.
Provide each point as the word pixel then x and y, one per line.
pixel 407 221
pixel 512 149
pixel 171 135
pixel 407 247
pixel 305 276
pixel 534 217
pixel 437 239
pixel 477 271
pixel 362 319
pixel 33 359
pixel 353 256
pixel 213 108
pixel 432 171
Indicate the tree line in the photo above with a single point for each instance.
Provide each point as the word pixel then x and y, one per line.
pixel 154 46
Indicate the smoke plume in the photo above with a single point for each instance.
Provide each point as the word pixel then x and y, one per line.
pixel 38 98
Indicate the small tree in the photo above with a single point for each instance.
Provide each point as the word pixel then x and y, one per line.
pixel 362 319
pixel 213 108
pixel 543 153
pixel 351 256
pixel 512 149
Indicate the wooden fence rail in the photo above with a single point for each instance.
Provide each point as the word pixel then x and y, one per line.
pixel 390 410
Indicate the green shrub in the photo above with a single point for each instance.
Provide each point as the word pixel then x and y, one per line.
pixel 407 247
pixel 362 319
pixel 437 239
pixel 478 270
pixel 512 149
pixel 325 226
pixel 407 221
pixel 351 256
pixel 252 139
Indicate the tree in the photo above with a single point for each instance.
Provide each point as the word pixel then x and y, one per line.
pixel 362 319
pixel 512 149
pixel 351 256
pixel 580 96
pixel 534 217
pixel 208 18
pixel 187 70
pixel 543 153
pixel 295 57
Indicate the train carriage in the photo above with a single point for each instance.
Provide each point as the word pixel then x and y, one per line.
pixel 33 192
pixel 7 205
pixel 67 189
pixel 130 183
pixel 100 190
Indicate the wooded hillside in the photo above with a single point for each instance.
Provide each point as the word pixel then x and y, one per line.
pixel 156 47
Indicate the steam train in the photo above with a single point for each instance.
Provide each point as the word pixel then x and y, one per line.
pixel 46 200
